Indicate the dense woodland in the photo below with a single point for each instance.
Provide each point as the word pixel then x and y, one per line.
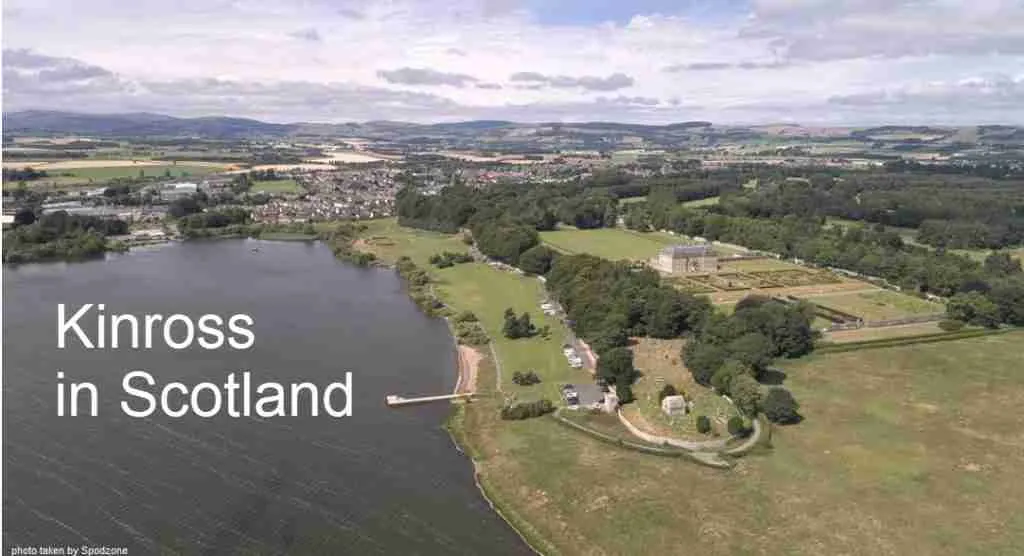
pixel 948 210
pixel 59 236
pixel 783 215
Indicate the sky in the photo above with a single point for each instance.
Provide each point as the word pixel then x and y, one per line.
pixel 814 62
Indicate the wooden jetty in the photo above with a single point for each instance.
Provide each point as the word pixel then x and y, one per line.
pixel 394 401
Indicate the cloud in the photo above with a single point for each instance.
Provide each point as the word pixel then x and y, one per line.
pixel 613 82
pixel 425 76
pixel 720 66
pixel 308 34
pixel 845 29
pixel 744 62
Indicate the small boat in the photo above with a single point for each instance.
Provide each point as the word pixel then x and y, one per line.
pixel 255 249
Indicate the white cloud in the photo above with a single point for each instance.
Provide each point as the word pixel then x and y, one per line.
pixel 416 59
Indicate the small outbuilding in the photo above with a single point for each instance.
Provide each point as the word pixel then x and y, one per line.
pixel 673 405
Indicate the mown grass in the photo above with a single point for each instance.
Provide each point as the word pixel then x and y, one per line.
pixel 611 243
pixel 903 450
pixel 879 304
pixel 386 239
pixel 710 201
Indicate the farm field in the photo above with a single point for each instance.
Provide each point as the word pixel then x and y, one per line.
pixel 277 186
pixel 909 449
pixel 611 243
pixel 131 171
pixel 878 304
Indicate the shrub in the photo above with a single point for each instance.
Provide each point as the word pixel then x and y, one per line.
pixel 525 379
pixel 527 410
pixel 466 316
pixel 737 427
pixel 951 325
pixel 780 406
pixel 448 259
pixel 666 391
pixel 703 424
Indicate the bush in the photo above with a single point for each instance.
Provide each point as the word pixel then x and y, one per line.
pixel 466 316
pixel 737 427
pixel 779 406
pixel 448 259
pixel 471 334
pixel 666 391
pixel 703 424
pixel 526 410
pixel 525 379
pixel 951 325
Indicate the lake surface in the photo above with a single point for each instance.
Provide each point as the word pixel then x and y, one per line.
pixel 383 481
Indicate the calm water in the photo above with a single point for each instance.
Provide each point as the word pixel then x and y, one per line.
pixel 380 482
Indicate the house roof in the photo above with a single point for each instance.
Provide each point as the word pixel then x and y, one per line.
pixel 686 250
pixel 589 394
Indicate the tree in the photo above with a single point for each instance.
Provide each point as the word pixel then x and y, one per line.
pixel 736 426
pixel 537 259
pixel 624 392
pixel 24 217
pixel 616 366
pixel 1001 264
pixel 746 392
pixel 753 349
pixel 725 375
pixel 974 308
pixel 666 391
pixel 779 406
pixel 703 359
pixel 703 424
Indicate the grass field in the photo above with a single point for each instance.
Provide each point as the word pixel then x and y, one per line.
pixel 277 186
pixel 903 450
pixel 386 239
pixel 710 201
pixel 879 304
pixel 611 243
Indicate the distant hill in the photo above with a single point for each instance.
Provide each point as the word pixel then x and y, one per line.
pixel 137 124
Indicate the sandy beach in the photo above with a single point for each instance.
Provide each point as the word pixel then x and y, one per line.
pixel 469 362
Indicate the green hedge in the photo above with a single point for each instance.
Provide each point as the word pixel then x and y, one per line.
pixel 908 340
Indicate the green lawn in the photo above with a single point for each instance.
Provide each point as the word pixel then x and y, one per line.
pixel 277 186
pixel 631 200
pixel 386 239
pixel 879 304
pixel 710 201
pixel 611 243
pixel 488 292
